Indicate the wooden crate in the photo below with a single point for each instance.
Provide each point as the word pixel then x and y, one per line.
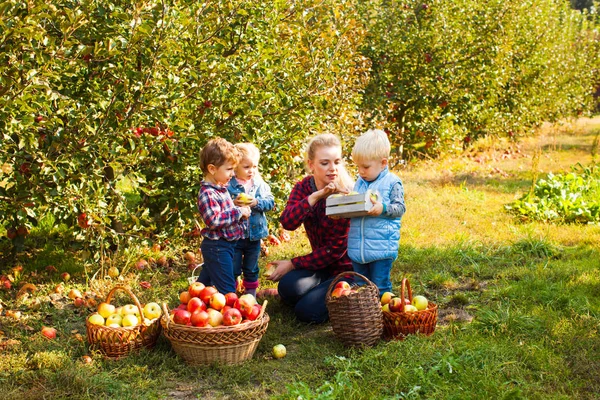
pixel 348 206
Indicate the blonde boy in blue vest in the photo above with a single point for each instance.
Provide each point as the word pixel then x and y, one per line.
pixel 373 239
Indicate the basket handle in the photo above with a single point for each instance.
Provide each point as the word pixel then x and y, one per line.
pixel 405 284
pixel 342 275
pixel 130 293
pixel 262 310
pixel 166 314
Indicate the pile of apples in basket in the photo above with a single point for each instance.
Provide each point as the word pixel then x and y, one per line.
pixel 205 306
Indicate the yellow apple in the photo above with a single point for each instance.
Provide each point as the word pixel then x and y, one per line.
pixel 410 308
pixel 420 302
pixel 96 319
pixel 386 297
pixel 129 309
pixel 106 309
pixel 152 310
pixel 385 307
pixel 114 319
pixel 279 351
pixel 130 320
pixel 113 272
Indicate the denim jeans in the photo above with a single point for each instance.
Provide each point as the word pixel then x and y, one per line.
pixel 378 272
pixel 218 264
pixel 245 259
pixel 305 291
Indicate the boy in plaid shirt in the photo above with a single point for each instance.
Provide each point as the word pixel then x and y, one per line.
pixel 223 220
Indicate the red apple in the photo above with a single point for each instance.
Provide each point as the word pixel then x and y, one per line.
pixel 182 306
pixel 396 304
pixel 195 289
pixel 181 317
pixel 79 302
pixel 141 265
pixel 199 318
pixel 342 284
pixel 184 297
pixel 207 293
pixel 50 333
pixel 225 309
pixel 195 304
pixel 246 302
pixel 217 301
pixel 232 316
pixel 230 298
pixel 255 312
pixel 337 292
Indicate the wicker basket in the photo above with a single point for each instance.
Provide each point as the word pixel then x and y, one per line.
pixel 208 345
pixel 115 343
pixel 356 318
pixel 399 324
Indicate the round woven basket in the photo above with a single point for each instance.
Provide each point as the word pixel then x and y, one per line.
pixel 115 343
pixel 356 318
pixel 223 344
pixel 399 324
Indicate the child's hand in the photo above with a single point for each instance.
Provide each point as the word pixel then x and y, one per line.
pixel 245 212
pixel 243 199
pixel 377 208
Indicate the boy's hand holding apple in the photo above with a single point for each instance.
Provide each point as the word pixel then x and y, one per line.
pixel 245 212
pixel 377 208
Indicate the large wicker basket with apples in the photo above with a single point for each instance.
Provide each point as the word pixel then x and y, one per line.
pixel 209 327
pixel 116 332
pixel 354 310
pixel 408 319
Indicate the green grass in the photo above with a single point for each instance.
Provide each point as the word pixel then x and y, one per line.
pixel 519 304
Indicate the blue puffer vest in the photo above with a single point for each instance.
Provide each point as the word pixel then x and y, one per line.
pixel 256 226
pixel 374 238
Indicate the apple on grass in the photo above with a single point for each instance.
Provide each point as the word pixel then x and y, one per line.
pixel 106 309
pixel 232 316
pixel 96 319
pixel 152 310
pixel 279 351
pixel 48 332
pixel 195 289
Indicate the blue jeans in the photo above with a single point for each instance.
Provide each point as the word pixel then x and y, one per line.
pixel 218 264
pixel 305 291
pixel 378 272
pixel 245 259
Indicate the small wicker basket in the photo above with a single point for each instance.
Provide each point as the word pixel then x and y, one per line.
pixel 399 324
pixel 356 318
pixel 115 343
pixel 222 344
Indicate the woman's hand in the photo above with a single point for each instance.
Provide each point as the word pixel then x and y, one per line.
pixel 282 267
pixel 327 191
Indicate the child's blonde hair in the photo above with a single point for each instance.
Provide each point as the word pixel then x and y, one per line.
pixel 371 145
pixel 217 152
pixel 328 140
pixel 248 150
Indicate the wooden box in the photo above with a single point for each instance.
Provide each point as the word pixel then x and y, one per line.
pixel 348 206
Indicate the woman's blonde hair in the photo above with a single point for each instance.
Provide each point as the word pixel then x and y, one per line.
pixel 371 145
pixel 328 140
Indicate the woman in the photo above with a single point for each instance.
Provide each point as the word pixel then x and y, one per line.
pixel 304 280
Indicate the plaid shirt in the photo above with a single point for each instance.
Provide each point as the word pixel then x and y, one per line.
pixel 222 218
pixel 328 237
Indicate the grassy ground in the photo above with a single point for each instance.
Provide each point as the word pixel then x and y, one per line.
pixel 519 305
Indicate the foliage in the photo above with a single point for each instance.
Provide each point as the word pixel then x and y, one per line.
pixel 104 105
pixel 573 197
pixel 447 72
